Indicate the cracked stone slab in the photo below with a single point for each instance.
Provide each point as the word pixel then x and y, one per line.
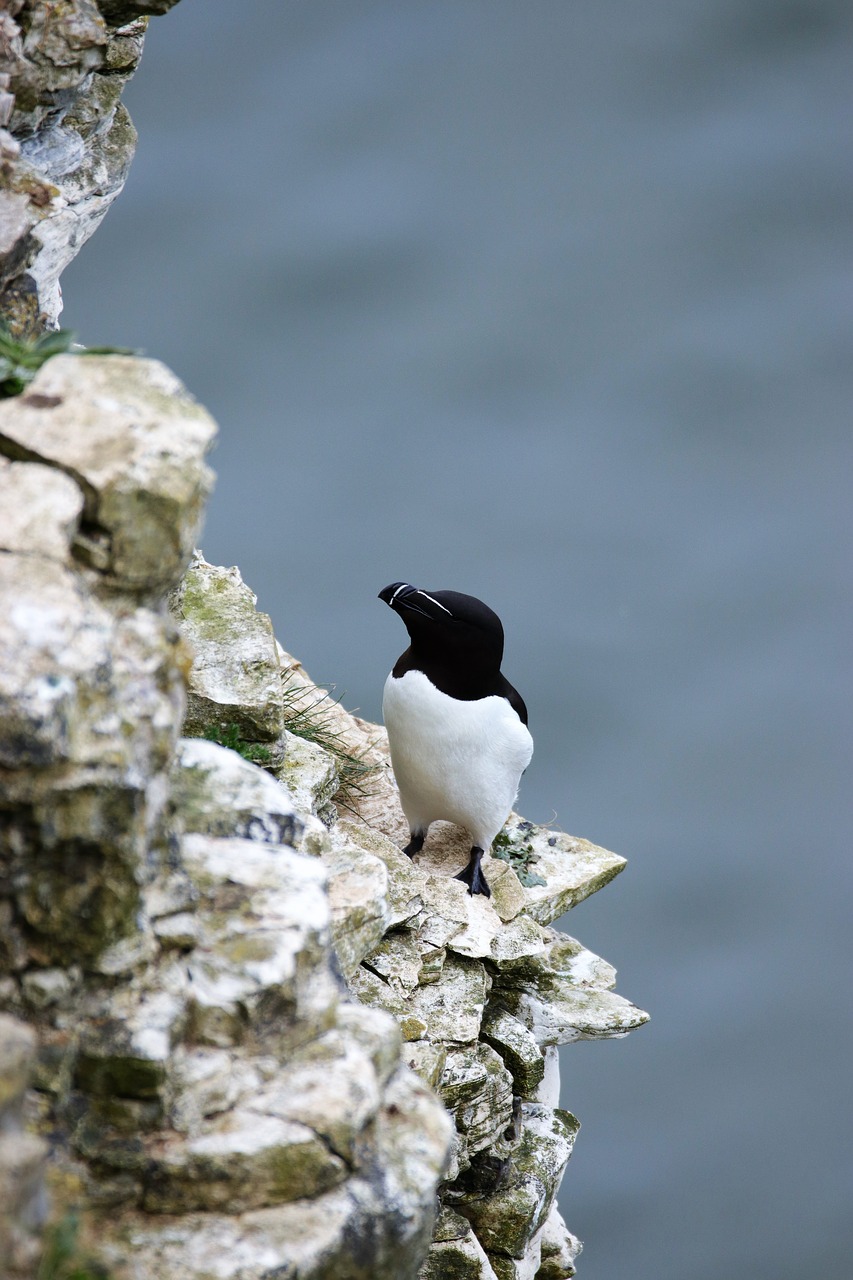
pixel 131 436
pixel 406 962
pixel 571 868
pixel 569 1014
pixel 264 965
pixel 477 1089
pixel 456 1253
pixel 471 924
pixel 560 956
pixel 450 1009
pixel 405 880
pixel 216 792
pixel 518 1048
pixel 563 995
pixel 330 1086
pixel 244 1160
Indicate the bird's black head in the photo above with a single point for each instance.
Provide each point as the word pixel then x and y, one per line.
pixel 447 628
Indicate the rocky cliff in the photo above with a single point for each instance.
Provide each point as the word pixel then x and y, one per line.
pixel 242 1035
pixel 266 1038
pixel 66 140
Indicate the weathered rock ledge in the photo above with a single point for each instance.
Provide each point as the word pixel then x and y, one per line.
pixel 265 1038
pixel 66 140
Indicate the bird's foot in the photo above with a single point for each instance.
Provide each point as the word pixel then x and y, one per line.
pixel 473 876
pixel 415 845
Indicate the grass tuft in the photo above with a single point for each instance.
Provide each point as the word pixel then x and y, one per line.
pixel 61 1259
pixel 21 358
pixel 311 720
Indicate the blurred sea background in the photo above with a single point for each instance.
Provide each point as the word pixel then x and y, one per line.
pixel 552 303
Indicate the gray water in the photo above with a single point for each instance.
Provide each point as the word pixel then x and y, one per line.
pixel 552 303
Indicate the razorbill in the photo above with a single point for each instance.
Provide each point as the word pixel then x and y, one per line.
pixel 456 727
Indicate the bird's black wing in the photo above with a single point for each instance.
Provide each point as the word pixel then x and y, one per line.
pixel 513 697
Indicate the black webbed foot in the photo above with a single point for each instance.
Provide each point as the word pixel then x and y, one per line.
pixel 473 876
pixel 415 844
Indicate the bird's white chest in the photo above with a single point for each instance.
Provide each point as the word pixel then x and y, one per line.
pixel 461 761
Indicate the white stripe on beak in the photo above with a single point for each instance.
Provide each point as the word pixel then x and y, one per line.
pixel 430 598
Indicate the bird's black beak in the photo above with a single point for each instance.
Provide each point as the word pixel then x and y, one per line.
pixel 398 595
pixel 387 593
pixel 403 597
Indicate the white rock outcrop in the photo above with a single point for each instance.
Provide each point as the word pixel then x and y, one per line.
pixel 66 141
pixel 165 933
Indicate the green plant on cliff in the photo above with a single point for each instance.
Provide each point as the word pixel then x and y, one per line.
pixel 21 358
pixel 307 714
pixel 62 1259
pixel 228 735
pixel 520 855
pixel 311 720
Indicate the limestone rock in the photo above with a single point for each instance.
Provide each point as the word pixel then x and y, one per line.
pixel 261 969
pixel 86 743
pixel 182 928
pixel 405 880
pixel 406 962
pixel 517 1047
pixel 476 1088
pixel 559 1249
pixel 236 677
pixel 40 510
pixel 243 1160
pixel 310 774
pixel 22 1155
pixel 332 1086
pixel 64 69
pixel 127 431
pixel 452 1009
pixel 560 870
pixel 562 995
pixel 456 1253
pixel 376 1032
pixel 358 891
pixel 216 792
pixel 507 1222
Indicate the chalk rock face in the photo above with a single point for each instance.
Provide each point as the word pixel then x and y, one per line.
pixel 482 990
pixel 166 927
pixel 22 1156
pixel 266 1037
pixel 134 440
pixel 66 141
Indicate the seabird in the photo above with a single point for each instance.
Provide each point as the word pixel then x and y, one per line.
pixel 457 728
